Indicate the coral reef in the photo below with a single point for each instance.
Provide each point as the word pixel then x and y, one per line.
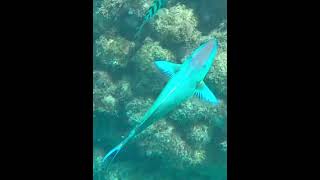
pixel 177 25
pixel 113 52
pixel 138 7
pixel 124 90
pixel 199 135
pixel 190 141
pixel 136 108
pixel 192 111
pixel 162 141
pixel 131 171
pixel 148 53
pixel 109 9
pixel 103 91
pixel 146 77
pixel 224 146
pixel 219 120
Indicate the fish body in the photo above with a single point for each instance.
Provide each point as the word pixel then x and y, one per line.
pixel 186 80
pixel 151 12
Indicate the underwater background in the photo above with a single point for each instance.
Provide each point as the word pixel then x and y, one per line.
pixel 190 142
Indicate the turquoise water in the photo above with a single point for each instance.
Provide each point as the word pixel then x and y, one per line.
pixel 189 142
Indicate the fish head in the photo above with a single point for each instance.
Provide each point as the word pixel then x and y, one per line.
pixel 203 57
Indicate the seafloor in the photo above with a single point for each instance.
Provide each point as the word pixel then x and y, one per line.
pixel 189 143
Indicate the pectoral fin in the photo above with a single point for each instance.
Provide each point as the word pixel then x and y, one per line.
pixel 167 68
pixel 204 93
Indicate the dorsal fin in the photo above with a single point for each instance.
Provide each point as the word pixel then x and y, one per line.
pixel 204 93
pixel 167 68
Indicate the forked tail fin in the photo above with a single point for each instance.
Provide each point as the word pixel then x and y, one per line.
pixel 109 157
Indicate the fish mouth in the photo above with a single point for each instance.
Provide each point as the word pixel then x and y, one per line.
pixel 203 55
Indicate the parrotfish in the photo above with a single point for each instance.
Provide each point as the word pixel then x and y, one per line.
pixel 151 12
pixel 185 81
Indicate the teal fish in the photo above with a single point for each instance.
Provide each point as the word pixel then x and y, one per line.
pixel 156 5
pixel 186 80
